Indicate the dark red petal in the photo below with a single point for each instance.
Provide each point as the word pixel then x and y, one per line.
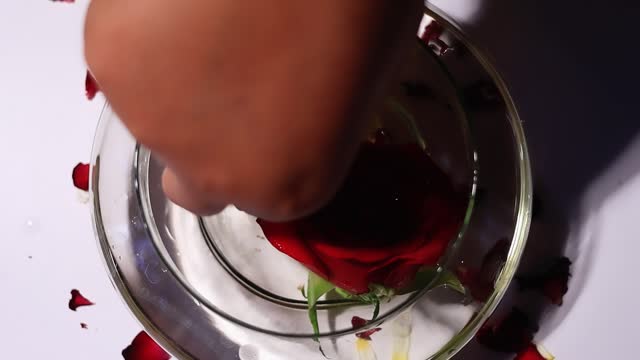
pixel 84 326
pixel 552 283
pixel 90 86
pixel 432 32
pixel 284 237
pixel 496 257
pixel 480 282
pixel 144 348
pixel 511 334
pixel 466 275
pixel 531 352
pixel 80 176
pixel 395 212
pixel 358 322
pixel 431 37
pixel 77 300
pixel 366 335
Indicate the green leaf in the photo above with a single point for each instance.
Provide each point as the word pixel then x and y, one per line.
pixel 376 310
pixel 316 287
pixel 425 278
pixel 450 280
pixel 372 297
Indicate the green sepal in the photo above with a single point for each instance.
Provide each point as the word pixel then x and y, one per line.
pixel 316 288
pixel 376 310
pixel 425 279
pixel 373 297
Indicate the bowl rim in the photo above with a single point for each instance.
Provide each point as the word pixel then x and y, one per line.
pixel 525 195
pixel 141 169
pixel 502 281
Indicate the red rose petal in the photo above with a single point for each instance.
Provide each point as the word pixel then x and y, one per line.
pixel 531 352
pixel 432 32
pixel 396 212
pixel 90 86
pixel 77 300
pixel 366 335
pixel 80 176
pixel 358 322
pixel 552 283
pixel 143 347
pixel 284 237
pixel 480 282
pixel 431 37
pixel 511 334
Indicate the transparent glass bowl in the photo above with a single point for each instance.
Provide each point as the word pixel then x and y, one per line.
pixel 213 287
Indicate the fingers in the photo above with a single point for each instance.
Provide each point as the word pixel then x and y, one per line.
pixel 186 197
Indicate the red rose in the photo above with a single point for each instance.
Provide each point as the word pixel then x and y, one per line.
pixel 395 213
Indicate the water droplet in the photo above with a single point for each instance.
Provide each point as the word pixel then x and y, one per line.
pixel 31 226
pixel 164 270
pixel 248 352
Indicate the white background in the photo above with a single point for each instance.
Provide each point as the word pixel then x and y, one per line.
pixel 564 63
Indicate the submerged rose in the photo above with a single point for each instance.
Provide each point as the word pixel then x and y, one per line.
pixel 395 214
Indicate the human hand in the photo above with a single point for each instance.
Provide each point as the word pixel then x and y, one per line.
pixel 257 104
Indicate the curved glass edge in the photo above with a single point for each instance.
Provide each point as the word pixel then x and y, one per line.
pixel 525 194
pixel 465 335
pixel 445 259
pixel 107 259
pixel 141 168
pixel 143 158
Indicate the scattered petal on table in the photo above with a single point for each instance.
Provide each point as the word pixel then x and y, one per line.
pixel 77 300
pixel 143 347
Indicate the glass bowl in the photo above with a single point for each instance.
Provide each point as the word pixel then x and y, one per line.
pixel 208 287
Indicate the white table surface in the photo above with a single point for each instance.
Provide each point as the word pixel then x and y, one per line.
pixel 582 134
